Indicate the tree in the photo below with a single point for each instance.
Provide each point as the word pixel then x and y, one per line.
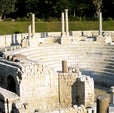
pixel 98 6
pixel 83 8
pixel 52 8
pixel 6 6
pixel 31 6
pixel 108 7
pixel 21 10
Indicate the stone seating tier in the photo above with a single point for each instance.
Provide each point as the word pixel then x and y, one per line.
pixel 91 57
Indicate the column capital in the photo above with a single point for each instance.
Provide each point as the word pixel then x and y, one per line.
pixel 66 10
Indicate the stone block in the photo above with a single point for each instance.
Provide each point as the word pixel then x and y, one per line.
pixel 33 42
pixel 24 43
pixel 66 40
pixel 18 57
pixel 103 103
pixel 111 108
pixel 100 39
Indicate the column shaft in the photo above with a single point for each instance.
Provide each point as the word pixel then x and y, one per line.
pixel 103 103
pixel 100 23
pixel 63 24
pixel 67 27
pixel 33 24
pixel 112 95
pixel 29 31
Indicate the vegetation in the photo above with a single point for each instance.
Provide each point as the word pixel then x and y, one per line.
pixel 48 9
pixel 15 15
pixel 22 27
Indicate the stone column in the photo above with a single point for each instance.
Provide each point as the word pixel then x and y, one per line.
pixel 89 110
pixel 29 31
pixel 67 27
pixel 112 95
pixel 64 66
pixel 103 103
pixel 33 24
pixel 111 107
pixel 100 23
pixel 63 24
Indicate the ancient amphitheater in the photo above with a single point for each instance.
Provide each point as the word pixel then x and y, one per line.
pixel 55 72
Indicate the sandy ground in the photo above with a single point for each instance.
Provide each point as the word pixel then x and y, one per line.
pixel 101 91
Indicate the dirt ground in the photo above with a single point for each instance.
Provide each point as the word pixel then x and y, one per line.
pixel 101 91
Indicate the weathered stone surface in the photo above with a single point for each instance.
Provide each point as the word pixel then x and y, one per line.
pixel 103 103
pixel 24 43
pixel 17 57
pixel 40 87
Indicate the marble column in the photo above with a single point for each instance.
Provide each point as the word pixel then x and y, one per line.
pixel 103 103
pixel 100 23
pixel 112 95
pixel 67 26
pixel 29 31
pixel 63 24
pixel 33 24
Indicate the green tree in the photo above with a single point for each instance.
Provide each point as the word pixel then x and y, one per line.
pixel 31 6
pixel 6 6
pixel 108 7
pixel 84 8
pixel 98 6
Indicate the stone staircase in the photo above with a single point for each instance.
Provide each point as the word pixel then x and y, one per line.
pixel 94 59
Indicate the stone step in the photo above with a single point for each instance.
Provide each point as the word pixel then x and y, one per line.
pixel 58 50
pixel 102 78
pixel 74 53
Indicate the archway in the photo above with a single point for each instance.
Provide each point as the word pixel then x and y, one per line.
pixel 11 85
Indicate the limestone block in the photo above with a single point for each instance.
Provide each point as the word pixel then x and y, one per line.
pixel 66 40
pixel 84 96
pixel 33 42
pixel 18 57
pixel 108 39
pixel 24 43
pixel 103 103
pixel 100 39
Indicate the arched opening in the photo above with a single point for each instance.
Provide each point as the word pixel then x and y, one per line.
pixel 11 85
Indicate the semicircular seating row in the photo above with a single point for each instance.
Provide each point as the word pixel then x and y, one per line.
pixel 94 59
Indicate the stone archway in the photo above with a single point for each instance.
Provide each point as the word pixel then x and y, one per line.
pixel 11 84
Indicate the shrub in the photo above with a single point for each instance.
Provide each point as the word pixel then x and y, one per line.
pixel 109 19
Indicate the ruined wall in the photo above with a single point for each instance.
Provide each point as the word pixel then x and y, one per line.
pixel 76 89
pixel 8 101
pixel 39 87
pixel 67 88
pixel 7 40
pixel 8 71
pixel 85 91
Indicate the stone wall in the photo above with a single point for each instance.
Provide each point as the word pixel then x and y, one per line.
pixel 76 89
pixel 15 39
pixel 67 88
pixel 36 85
pixel 9 70
pixel 85 91
pixel 8 101
pixel 39 86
